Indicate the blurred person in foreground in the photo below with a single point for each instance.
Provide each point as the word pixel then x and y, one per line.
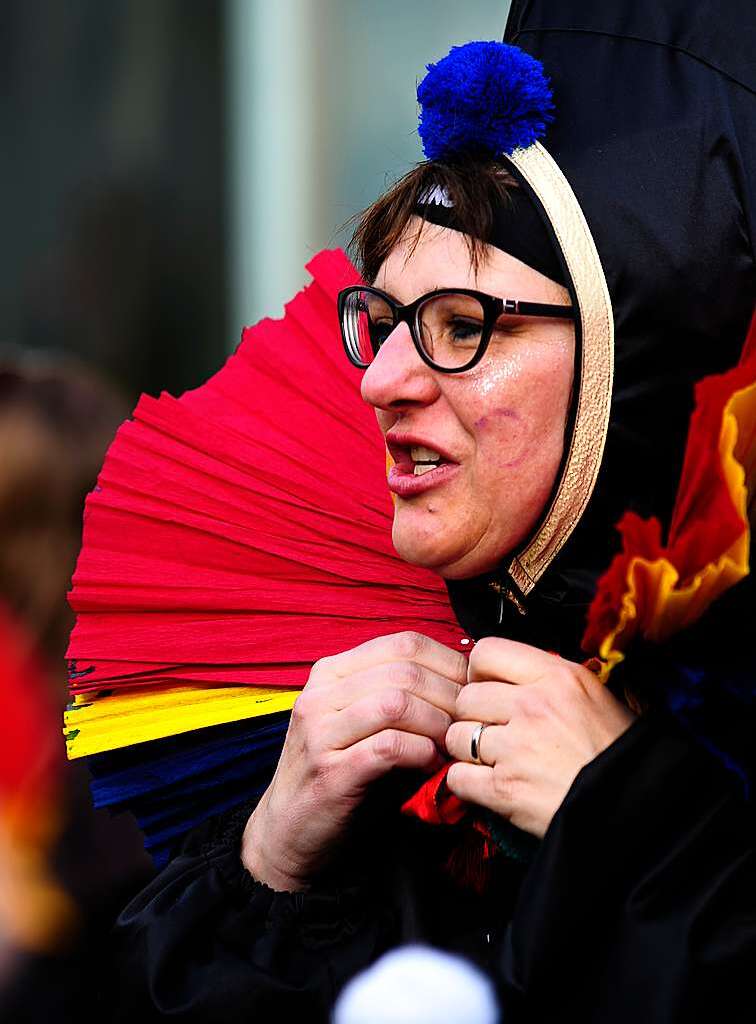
pixel 532 335
pixel 62 869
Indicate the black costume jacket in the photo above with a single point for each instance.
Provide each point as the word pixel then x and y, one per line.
pixel 640 903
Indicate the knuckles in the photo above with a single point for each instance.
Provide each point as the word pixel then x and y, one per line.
pixel 406 674
pixel 408 645
pixel 480 701
pixel 566 676
pixel 388 746
pixel 322 668
pixel 321 774
pixel 393 704
pixel 392 747
pixel 306 708
pixel 535 701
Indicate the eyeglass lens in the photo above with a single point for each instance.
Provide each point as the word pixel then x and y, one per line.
pixel 367 322
pixel 448 327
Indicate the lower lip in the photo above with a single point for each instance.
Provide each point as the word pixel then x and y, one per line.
pixel 407 485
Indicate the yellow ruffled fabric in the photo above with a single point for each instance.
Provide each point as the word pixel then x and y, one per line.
pixel 655 604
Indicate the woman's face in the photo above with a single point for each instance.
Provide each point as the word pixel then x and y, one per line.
pixel 499 427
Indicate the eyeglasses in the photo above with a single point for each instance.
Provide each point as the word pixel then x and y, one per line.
pixel 451 327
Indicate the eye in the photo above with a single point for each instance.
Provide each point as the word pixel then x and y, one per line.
pixel 380 330
pixel 463 330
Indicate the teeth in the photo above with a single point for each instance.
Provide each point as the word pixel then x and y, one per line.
pixel 423 467
pixel 421 454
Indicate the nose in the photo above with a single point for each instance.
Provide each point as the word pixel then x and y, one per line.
pixel 398 379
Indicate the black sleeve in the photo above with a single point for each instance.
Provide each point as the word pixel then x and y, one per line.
pixel 206 942
pixel 641 903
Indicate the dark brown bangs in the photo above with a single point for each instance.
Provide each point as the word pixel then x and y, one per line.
pixel 476 189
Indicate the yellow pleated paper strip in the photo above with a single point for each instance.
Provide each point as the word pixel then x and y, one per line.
pixel 109 723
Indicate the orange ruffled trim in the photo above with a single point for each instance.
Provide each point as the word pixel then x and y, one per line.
pixel 655 590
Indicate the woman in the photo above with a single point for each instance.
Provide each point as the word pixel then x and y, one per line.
pixel 639 899
pixel 489 444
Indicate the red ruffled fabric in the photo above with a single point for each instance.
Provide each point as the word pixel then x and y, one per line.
pixel 655 589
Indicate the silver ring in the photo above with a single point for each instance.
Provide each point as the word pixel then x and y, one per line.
pixel 475 742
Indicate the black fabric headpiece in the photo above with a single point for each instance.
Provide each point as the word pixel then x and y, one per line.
pixel 656 134
pixel 517 229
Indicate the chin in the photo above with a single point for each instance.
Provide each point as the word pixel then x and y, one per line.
pixel 440 555
pixel 450 554
pixel 414 552
pixel 420 547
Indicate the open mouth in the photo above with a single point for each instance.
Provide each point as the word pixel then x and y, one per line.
pixel 416 466
pixel 424 459
pixel 415 459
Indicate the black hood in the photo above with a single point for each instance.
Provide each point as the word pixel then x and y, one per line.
pixel 655 130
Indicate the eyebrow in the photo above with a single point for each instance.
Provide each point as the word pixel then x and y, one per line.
pixel 391 295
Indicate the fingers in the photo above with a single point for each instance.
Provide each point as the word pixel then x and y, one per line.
pixel 406 646
pixel 486 702
pixel 491 745
pixel 398 675
pixel 475 784
pixel 392 709
pixel 494 658
pixel 374 756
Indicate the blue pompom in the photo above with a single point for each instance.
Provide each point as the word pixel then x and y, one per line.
pixel 484 97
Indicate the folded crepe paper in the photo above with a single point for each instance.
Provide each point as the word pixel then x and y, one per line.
pixel 237 534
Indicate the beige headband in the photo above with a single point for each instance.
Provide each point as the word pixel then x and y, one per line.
pixel 593 399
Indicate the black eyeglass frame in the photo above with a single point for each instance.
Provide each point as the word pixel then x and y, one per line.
pixel 492 306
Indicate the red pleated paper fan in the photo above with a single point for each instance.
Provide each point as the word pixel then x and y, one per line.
pixel 236 535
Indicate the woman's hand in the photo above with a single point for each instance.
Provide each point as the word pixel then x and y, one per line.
pixel 546 718
pixel 383 705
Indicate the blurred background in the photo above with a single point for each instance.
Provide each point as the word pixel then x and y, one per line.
pixel 169 166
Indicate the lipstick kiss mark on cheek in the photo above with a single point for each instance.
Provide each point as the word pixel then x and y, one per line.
pixel 495 416
pixel 502 429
